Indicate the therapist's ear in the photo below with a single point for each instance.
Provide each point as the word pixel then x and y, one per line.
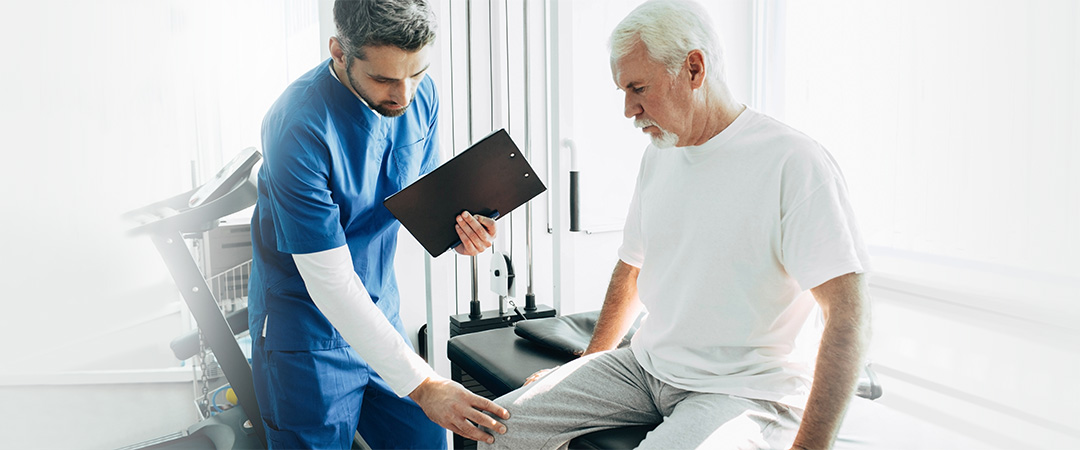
pixel 337 53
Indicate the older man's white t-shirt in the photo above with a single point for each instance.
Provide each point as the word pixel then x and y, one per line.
pixel 730 236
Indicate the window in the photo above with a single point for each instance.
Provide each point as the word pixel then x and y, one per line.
pixel 955 123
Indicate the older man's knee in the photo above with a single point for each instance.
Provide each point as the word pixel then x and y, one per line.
pixel 521 430
pixel 516 436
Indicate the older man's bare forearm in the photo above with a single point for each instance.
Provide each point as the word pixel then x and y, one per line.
pixel 621 306
pixel 840 359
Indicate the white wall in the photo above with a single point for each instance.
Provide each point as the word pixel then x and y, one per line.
pixel 94 412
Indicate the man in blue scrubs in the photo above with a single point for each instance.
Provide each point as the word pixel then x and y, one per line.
pixel 329 354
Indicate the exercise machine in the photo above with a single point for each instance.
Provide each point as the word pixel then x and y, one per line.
pixel 169 224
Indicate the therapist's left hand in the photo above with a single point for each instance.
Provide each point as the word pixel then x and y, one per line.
pixel 476 233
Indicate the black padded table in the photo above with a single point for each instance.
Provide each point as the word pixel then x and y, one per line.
pixel 500 361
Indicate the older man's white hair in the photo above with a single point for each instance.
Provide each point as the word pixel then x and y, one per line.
pixel 670 29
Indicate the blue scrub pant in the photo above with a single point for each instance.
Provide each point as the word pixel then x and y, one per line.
pixel 316 399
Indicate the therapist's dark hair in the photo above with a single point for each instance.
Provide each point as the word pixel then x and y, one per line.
pixel 405 24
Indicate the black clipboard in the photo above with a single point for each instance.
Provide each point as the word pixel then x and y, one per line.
pixel 490 178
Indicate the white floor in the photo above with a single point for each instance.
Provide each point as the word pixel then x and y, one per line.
pixel 872 425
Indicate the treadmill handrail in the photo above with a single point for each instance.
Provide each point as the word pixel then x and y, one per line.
pixel 174 214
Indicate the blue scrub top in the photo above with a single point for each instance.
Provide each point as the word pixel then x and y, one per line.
pixel 329 162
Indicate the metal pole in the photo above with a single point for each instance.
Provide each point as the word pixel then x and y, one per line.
pixel 561 277
pixel 474 304
pixel 530 297
pixel 500 110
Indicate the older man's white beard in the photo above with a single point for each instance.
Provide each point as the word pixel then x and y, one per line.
pixel 666 139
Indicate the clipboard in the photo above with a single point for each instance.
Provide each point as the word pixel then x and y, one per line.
pixel 490 178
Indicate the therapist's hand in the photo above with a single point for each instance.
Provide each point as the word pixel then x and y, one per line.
pixel 476 233
pixel 456 409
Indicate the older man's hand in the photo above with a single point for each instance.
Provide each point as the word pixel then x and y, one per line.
pixel 476 233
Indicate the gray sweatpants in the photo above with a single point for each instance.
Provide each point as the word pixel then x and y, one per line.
pixel 610 389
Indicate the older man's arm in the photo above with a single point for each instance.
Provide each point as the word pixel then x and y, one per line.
pixel 845 302
pixel 621 306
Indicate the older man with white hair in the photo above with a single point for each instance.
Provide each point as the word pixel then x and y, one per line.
pixel 738 224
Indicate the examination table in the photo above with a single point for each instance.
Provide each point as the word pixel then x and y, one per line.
pixel 495 362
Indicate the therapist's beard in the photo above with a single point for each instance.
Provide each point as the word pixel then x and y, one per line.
pixel 666 139
pixel 378 107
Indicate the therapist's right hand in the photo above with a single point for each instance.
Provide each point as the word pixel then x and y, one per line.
pixel 453 407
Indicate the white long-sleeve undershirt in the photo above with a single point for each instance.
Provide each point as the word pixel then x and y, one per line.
pixel 341 296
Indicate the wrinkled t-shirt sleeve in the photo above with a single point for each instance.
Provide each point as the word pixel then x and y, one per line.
pixel 820 238
pixel 632 250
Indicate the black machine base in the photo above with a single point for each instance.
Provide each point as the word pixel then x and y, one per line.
pixel 462 324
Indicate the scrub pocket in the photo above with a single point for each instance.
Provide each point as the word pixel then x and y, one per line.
pixel 406 161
